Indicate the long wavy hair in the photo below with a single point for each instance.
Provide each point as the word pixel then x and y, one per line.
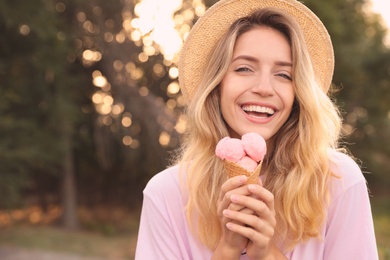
pixel 297 162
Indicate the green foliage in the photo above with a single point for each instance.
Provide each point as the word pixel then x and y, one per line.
pixel 362 73
pixel 39 90
pixel 46 108
pixel 381 209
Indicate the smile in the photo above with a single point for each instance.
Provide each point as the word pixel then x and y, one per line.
pixel 258 111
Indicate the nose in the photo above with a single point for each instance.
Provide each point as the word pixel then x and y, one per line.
pixel 262 85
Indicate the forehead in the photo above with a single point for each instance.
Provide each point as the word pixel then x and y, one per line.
pixel 263 41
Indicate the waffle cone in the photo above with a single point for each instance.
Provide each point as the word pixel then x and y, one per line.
pixel 233 169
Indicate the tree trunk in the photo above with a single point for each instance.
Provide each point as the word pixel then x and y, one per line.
pixel 69 194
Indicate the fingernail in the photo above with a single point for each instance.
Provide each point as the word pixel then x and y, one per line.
pixel 234 198
pixel 252 187
pixel 243 179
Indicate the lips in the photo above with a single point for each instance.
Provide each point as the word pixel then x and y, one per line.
pixel 258 111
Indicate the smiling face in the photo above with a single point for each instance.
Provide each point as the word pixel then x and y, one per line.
pixel 257 91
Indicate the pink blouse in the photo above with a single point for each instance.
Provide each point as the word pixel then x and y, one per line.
pixel 347 234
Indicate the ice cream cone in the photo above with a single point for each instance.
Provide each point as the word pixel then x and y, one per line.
pixel 233 169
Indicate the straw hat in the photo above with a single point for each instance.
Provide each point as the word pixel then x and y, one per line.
pixel 218 18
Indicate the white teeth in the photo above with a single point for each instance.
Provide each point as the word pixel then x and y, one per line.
pixel 258 109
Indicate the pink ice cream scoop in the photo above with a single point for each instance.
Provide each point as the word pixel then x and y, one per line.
pixel 254 146
pixel 230 149
pixel 247 163
pixel 242 156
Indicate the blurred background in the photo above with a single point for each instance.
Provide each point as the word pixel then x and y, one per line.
pixel 91 109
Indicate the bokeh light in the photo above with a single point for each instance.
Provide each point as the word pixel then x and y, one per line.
pixel 158 27
pixel 24 29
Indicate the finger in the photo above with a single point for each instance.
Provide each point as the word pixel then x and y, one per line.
pixel 238 207
pixel 235 185
pixel 235 207
pixel 263 237
pixel 255 205
pixel 248 225
pixel 232 184
pixel 226 201
pixel 263 194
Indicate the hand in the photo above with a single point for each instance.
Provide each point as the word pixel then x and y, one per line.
pixel 257 226
pixel 231 243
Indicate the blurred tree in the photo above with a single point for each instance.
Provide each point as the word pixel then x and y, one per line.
pixel 362 73
pixel 41 86
pixel 131 115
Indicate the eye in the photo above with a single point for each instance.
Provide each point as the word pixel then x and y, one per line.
pixel 285 76
pixel 243 69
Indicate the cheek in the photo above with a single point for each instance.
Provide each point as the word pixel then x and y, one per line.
pixel 224 93
pixel 224 100
pixel 230 89
pixel 227 98
pixel 290 102
pixel 288 98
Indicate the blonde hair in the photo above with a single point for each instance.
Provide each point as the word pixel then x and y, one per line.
pixel 297 159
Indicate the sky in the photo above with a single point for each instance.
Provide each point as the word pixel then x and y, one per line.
pixel 383 7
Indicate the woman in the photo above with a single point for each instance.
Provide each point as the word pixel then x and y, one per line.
pixel 263 67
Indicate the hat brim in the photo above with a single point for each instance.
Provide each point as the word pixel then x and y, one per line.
pixel 218 18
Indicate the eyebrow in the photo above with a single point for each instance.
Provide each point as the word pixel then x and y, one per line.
pixel 254 59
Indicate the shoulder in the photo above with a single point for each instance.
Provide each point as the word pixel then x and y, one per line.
pixel 349 216
pixel 165 183
pixel 345 167
pixel 346 171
